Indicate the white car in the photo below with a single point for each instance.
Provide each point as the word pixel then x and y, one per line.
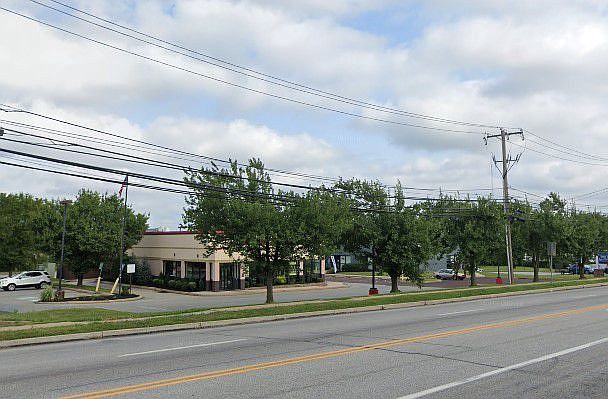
pixel 448 274
pixel 34 278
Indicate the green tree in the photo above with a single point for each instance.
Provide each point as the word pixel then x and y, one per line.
pixel 541 226
pixel 397 238
pixel 584 237
pixel 93 228
pixel 236 209
pixel 474 229
pixel 18 241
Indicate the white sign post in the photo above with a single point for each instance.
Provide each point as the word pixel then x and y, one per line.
pixel 130 272
pixel 551 251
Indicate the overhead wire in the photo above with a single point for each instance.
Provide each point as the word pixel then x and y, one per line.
pixel 221 63
pixel 237 85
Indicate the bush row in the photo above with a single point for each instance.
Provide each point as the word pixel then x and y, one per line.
pixel 176 284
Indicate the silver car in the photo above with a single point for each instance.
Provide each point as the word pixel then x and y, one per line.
pixel 35 278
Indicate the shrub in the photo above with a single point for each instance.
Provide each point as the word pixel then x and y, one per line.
pixel 281 280
pixel 125 290
pixel 143 273
pixel 354 267
pixel 171 284
pixel 191 286
pixel 47 294
pixel 157 282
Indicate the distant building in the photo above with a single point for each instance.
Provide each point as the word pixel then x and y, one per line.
pixel 178 254
pixel 441 262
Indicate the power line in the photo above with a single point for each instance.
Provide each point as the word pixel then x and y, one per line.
pixel 199 74
pixel 227 65
pixel 163 152
pixel 449 212
pixel 157 146
pixel 177 182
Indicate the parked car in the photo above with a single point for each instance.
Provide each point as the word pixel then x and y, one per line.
pixel 573 269
pixel 448 274
pixel 34 278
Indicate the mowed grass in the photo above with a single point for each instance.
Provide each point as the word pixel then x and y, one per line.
pixel 70 314
pixel 140 320
pixel 488 269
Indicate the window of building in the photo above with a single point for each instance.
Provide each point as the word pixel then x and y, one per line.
pixel 197 272
pixel 172 268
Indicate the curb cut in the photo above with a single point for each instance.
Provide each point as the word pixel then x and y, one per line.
pixel 264 319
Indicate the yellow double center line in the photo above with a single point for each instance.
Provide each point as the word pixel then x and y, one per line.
pixel 319 356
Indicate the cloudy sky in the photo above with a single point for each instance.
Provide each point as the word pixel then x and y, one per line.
pixel 540 66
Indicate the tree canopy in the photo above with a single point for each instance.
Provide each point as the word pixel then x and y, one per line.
pixel 236 209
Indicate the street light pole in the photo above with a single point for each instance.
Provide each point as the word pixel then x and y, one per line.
pixel 65 204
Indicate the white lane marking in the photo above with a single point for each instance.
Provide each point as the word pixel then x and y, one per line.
pixel 503 370
pixel 462 311
pixel 182 347
pixel 584 296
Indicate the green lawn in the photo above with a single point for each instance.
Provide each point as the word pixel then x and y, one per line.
pixel 487 269
pixel 96 316
pixel 70 314
pixel 427 276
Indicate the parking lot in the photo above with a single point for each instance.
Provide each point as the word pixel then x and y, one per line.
pixel 24 300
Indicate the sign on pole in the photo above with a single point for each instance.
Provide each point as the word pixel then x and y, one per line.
pixel 131 268
pixel 551 248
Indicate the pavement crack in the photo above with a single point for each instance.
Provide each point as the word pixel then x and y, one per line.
pixel 442 357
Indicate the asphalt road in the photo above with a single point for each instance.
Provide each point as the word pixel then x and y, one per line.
pixel 24 300
pixel 541 345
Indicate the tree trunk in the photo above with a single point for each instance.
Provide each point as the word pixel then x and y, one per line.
pixel 581 269
pixel 473 278
pixel 536 266
pixel 394 284
pixel 269 281
pixel 80 277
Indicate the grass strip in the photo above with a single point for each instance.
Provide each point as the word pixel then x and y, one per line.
pixel 179 318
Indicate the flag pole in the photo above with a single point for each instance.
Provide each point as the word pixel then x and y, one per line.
pixel 122 235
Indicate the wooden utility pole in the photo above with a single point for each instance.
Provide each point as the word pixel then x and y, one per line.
pixel 504 136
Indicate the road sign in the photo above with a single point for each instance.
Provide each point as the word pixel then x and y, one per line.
pixel 131 268
pixel 551 249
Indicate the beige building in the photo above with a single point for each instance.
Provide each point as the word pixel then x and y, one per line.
pixel 179 254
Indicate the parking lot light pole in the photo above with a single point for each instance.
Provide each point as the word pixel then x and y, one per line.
pixel 65 204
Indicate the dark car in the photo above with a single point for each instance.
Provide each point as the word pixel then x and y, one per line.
pixel 573 269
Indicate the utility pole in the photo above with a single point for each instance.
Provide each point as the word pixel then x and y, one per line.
pixel 122 233
pixel 504 136
pixel 65 204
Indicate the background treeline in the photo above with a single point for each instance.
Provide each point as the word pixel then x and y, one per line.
pixel 240 210
pixel 31 229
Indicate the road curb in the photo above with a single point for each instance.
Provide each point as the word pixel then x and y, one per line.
pixel 264 319
pixel 247 291
pixel 137 298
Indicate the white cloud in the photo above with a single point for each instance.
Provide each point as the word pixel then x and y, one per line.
pixel 537 65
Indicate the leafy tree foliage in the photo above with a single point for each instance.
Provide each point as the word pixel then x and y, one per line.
pixel 19 214
pixel 397 238
pixel 474 229
pixel 236 209
pixel 93 228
